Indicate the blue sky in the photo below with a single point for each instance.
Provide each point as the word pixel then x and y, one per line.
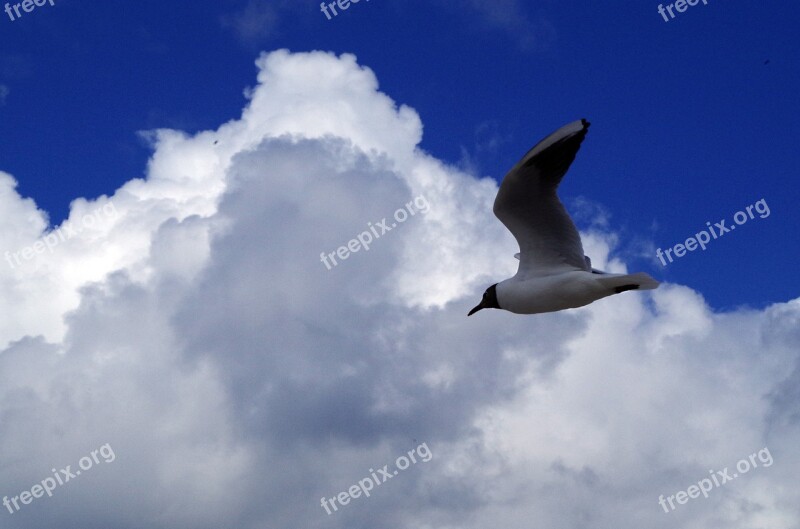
pixel 689 124
pixel 200 155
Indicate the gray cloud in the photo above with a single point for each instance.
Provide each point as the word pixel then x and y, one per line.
pixel 239 380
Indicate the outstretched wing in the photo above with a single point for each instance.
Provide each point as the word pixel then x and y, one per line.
pixel 527 204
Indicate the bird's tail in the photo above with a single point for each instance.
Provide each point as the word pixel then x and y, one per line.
pixel 623 282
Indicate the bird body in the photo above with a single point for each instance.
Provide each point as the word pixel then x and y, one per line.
pixel 553 274
pixel 565 290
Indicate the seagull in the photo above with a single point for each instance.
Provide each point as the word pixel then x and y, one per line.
pixel 553 272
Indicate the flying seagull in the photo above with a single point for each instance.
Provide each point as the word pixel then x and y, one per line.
pixel 553 272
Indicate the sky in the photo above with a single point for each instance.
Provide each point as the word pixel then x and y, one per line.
pixel 170 175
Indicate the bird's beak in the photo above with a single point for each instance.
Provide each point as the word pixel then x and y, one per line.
pixel 476 309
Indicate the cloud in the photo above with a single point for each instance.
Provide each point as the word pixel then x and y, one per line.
pixel 239 380
pixel 259 20
pixel 256 20
pixel 513 18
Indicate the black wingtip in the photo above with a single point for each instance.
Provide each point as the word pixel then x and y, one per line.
pixel 585 123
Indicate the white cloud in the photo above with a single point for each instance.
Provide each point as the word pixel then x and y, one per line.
pixel 239 380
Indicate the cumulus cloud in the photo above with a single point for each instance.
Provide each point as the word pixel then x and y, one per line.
pixel 239 380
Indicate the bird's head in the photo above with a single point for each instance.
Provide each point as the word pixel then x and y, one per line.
pixel 489 300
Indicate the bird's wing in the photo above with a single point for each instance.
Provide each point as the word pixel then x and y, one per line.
pixel 528 205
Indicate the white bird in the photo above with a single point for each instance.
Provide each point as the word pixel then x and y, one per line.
pixel 553 272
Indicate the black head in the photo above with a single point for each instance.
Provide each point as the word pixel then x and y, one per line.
pixel 489 300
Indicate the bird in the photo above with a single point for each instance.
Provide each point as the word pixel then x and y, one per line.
pixel 553 273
